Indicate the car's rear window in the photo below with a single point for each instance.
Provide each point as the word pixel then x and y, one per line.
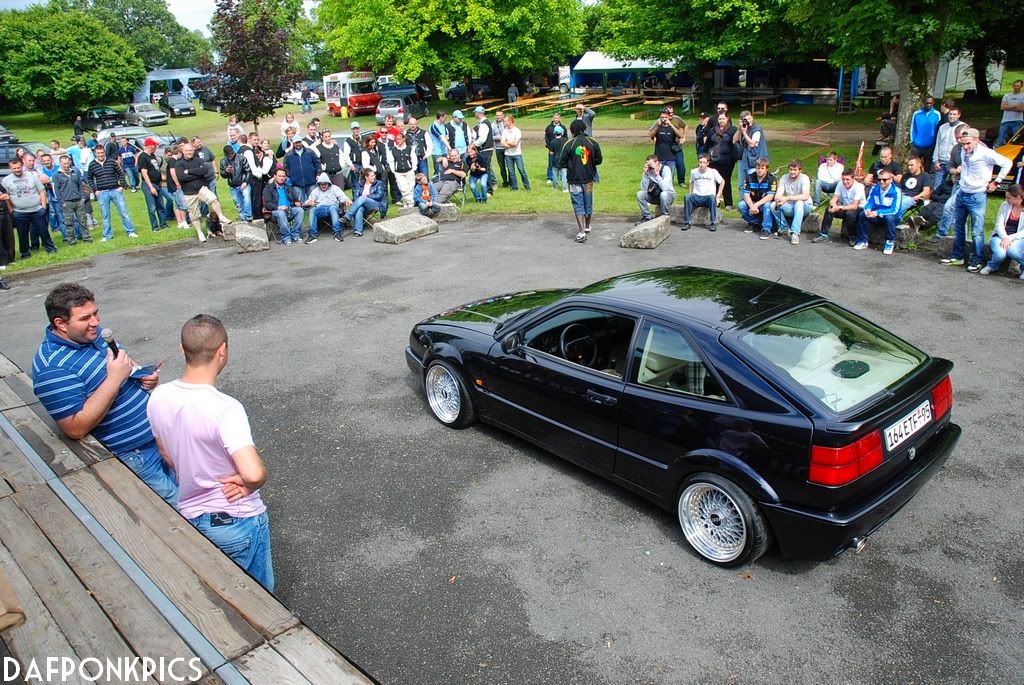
pixel 384 104
pixel 839 358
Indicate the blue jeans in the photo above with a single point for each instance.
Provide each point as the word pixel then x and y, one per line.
pixel 325 210
pixel 820 186
pixel 1006 131
pixel 680 167
pixel 1015 252
pixel 938 175
pixel 478 186
pixel 289 232
pixel 671 164
pixel 146 463
pixel 973 205
pixel 890 221
pixel 516 162
pixel 131 175
pixel 709 201
pixel 156 205
pixel 948 213
pixel 117 197
pixel 245 540
pixel 305 106
pixel 33 230
pixel 582 198
pixel 763 217
pixel 304 192
pixel 243 201
pixel 358 211
pixel 56 215
pixel 791 214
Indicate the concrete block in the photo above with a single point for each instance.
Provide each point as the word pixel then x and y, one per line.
pixel 649 234
pixel 403 229
pixel 945 246
pixel 405 211
pixel 228 230
pixel 449 213
pixel 250 238
pixel 811 223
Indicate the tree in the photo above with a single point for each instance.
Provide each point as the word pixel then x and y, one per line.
pixel 92 65
pixel 253 68
pixel 159 40
pixel 468 38
pixel 912 34
pixel 997 41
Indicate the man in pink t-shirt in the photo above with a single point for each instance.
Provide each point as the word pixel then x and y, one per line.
pixel 206 435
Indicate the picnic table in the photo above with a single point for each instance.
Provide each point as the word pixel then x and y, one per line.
pixel 760 104
pixel 482 103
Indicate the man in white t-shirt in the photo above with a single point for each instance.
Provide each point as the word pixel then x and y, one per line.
pixel 792 201
pixel 1012 106
pixel 512 143
pixel 205 434
pixel 706 186
pixel 845 205
pixel 827 180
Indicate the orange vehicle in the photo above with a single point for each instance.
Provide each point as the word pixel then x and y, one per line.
pixel 1012 149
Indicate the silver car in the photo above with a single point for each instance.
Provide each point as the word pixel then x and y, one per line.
pixel 401 107
pixel 145 114
pixel 137 136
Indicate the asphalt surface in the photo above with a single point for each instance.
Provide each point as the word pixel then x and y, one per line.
pixel 432 556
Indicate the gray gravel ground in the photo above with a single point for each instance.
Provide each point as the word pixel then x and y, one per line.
pixel 435 556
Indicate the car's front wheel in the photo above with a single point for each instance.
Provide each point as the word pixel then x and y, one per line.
pixel 447 395
pixel 720 521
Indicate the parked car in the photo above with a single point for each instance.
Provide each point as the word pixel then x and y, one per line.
pixel 210 100
pixel 97 118
pixel 145 114
pixel 753 410
pixel 136 134
pixel 1012 149
pixel 176 105
pixel 457 93
pixel 7 135
pixel 401 108
pixel 391 90
pixel 8 151
pixel 294 96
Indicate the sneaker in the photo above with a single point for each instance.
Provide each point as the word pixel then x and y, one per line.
pixel 358 235
pixel 794 238
pixel 986 271
pixel 713 227
pixel 103 240
pixel 183 226
pixel 643 219
pixel 888 247
pixel 548 182
pixel 133 235
pixel 750 228
pixel 157 229
pixel 860 246
pixel 286 242
pixel 934 239
pixel 339 237
pixel 729 207
pixel 820 238
pixel 581 237
pixel 686 227
pixel 310 239
pixel 202 238
pixel 951 262
pixel 765 235
pixel 974 268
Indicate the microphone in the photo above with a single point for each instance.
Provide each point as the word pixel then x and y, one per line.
pixel 108 337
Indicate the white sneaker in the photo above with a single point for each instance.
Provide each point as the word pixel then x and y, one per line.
pixel 202 238
pixel 581 237
pixel 860 246
pixel 986 271
pixel 183 226
pixel 794 238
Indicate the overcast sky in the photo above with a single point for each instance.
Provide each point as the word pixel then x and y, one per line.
pixel 192 14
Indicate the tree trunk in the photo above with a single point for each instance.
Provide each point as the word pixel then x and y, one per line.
pixel 979 62
pixel 256 126
pixel 705 73
pixel 915 75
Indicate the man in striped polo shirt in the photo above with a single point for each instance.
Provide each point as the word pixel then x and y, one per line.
pixel 86 389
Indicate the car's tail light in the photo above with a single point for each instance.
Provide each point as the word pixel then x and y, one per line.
pixel 840 465
pixel 942 398
pixel 401 110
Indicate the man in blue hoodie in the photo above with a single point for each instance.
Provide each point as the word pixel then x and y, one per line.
pixel 303 166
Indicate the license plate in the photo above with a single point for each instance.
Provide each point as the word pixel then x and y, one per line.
pixel 917 419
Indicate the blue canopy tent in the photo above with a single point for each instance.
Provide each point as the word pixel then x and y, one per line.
pixel 178 77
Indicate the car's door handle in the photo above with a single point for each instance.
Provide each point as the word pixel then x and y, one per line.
pixel 599 398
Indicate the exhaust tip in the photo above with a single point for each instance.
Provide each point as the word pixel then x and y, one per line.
pixel 858 544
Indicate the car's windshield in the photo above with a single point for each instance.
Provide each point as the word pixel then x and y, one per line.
pixel 839 358
pixel 144 108
pixel 177 100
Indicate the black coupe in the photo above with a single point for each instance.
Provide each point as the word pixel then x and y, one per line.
pixel 756 411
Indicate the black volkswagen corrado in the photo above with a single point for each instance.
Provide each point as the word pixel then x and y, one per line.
pixel 757 411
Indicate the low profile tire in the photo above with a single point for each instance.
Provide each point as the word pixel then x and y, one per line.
pixel 720 521
pixel 447 395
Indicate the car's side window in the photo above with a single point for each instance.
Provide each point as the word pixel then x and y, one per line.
pixel 666 360
pixel 589 337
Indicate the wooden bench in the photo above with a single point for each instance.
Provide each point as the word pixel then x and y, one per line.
pixel 103 568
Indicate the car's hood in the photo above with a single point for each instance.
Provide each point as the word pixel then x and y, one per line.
pixel 493 312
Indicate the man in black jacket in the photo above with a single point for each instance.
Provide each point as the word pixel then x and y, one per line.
pixel 195 175
pixel 106 178
pixel 285 207
pixel 235 170
pixel 580 158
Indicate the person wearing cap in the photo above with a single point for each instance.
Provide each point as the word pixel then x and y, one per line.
pixel 458 134
pixel 555 173
pixel 303 167
pixel 235 170
pixel 483 140
pixel 325 200
pixel 439 143
pixel 158 198
pixel 353 148
pixel 580 157
pixel 549 133
pixel 668 140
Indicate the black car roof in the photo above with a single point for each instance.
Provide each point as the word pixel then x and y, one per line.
pixel 719 299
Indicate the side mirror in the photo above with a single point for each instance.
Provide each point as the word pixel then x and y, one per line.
pixel 511 342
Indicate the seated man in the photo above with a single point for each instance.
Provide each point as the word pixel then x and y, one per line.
pixel 452 174
pixel 369 198
pixel 655 187
pixel 916 185
pixel 287 207
pixel 882 207
pixel 703 193
pixel 325 199
pixel 884 161
pixel 758 191
pixel 792 201
pixel 845 204
pixel 829 174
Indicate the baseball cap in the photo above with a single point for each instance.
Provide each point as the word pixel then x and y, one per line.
pixel 479 110
pixel 76 139
pixel 558 130
pixel 354 124
pixel 457 114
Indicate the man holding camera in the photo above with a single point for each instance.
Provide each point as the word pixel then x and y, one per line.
pixel 668 140
pixel 655 188
pixel 751 139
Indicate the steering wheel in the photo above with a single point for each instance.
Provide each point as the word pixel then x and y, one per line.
pixel 578 345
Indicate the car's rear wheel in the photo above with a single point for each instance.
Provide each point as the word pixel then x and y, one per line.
pixel 447 395
pixel 720 521
pixel 563 88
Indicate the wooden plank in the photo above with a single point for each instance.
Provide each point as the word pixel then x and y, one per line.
pixel 136 618
pixel 315 659
pixel 15 468
pixel 265 666
pixel 44 441
pixel 7 367
pixel 5 488
pixel 214 618
pixel 16 391
pixel 88 449
pixel 11 613
pixel 78 616
pixel 217 570
pixel 39 637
